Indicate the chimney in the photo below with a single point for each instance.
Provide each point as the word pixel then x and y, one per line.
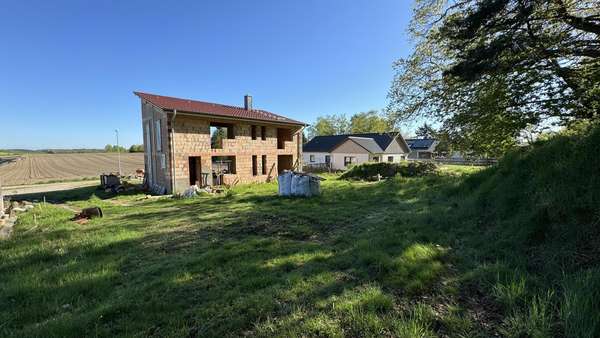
pixel 248 102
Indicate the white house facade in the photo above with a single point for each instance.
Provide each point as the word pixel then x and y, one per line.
pixel 338 152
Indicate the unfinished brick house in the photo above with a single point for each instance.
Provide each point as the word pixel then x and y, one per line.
pixel 190 142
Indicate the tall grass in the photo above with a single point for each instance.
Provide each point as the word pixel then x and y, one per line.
pixel 538 211
pixel 580 309
pixel 537 321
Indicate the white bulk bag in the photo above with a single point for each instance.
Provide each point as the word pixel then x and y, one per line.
pixel 285 183
pixel 315 186
pixel 301 185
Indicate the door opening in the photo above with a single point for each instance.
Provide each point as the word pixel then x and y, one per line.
pixel 196 171
pixel 284 162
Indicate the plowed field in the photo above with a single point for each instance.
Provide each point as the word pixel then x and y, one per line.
pixel 38 168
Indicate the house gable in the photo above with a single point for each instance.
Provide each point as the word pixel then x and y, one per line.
pixel 368 143
pixel 397 147
pixel 349 147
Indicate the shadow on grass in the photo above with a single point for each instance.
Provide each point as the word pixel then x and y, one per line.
pixel 72 195
pixel 228 266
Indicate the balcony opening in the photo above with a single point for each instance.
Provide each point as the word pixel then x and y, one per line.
pixel 283 135
pixel 220 132
pixel 263 133
pixel 253 132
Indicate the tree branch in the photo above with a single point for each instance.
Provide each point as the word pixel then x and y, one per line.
pixel 583 24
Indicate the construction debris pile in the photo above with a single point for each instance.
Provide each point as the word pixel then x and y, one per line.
pixel 293 183
pixel 9 216
pixel 113 183
pixel 194 190
pixel 109 181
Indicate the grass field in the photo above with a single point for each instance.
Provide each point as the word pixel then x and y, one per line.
pixel 363 259
pixel 366 259
pixel 456 169
pixel 45 168
pixel 506 251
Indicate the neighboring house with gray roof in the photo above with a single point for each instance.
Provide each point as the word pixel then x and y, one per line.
pixel 421 148
pixel 339 151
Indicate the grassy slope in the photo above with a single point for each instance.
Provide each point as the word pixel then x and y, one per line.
pixel 538 214
pixel 500 251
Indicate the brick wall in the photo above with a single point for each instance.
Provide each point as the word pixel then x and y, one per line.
pixel 192 138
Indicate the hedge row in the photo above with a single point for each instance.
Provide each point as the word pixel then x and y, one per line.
pixel 370 170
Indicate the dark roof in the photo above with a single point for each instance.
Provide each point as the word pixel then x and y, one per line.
pixel 323 143
pixel 367 143
pixel 200 107
pixel 326 144
pixel 420 144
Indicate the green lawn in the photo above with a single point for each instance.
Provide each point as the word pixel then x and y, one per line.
pixel 403 257
pixel 460 169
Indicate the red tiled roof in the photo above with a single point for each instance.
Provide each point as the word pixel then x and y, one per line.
pixel 200 107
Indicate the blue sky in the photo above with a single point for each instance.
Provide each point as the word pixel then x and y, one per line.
pixel 68 68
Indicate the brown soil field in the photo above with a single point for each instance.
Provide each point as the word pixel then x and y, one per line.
pixel 38 168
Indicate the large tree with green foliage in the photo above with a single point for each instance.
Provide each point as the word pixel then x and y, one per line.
pixel 369 122
pixel 488 69
pixel 363 122
pixel 329 125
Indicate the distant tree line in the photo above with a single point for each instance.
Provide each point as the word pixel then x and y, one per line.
pixel 51 151
pixel 136 148
pixel 363 122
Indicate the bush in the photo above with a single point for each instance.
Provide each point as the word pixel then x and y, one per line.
pixel 136 148
pixel 370 170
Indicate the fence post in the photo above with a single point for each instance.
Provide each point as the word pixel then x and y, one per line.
pixel 1 199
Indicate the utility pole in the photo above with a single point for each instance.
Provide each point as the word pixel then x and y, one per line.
pixel 1 199
pixel 118 151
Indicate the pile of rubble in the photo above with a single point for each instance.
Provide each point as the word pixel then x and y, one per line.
pixel 194 190
pixel 112 183
pixel 9 216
